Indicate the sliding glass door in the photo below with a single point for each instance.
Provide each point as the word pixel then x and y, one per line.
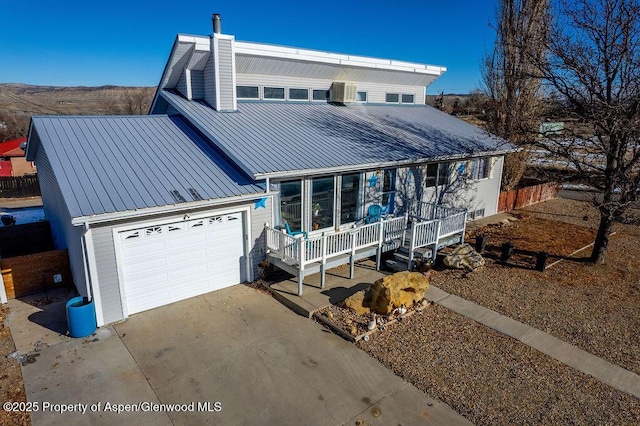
pixel 322 202
pixel 350 199
pixel 291 204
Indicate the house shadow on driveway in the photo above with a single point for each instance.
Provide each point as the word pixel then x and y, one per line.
pixel 39 317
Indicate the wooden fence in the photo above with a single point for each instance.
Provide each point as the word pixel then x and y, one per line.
pixel 23 275
pixel 518 198
pixel 21 186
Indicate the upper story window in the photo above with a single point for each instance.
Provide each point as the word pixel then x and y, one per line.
pixel 247 92
pixel 320 95
pixel 392 98
pixel 299 94
pixel 397 98
pixel 361 97
pixel 407 99
pixel 274 93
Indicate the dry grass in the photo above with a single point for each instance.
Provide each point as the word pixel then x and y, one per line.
pixel 11 385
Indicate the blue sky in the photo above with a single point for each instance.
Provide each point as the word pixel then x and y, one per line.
pixel 92 43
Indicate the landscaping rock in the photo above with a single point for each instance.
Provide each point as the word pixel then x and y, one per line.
pixel 355 302
pixel 402 288
pixel 464 257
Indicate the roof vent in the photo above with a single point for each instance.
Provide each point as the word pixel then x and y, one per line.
pixel 343 92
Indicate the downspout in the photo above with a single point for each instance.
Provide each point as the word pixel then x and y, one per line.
pixel 85 261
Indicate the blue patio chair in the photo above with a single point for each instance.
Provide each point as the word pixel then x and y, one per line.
pixel 374 213
pixel 295 233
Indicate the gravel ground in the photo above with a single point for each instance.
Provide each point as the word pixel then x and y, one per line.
pixel 492 379
pixel 593 307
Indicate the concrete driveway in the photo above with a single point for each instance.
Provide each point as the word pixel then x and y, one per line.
pixel 236 355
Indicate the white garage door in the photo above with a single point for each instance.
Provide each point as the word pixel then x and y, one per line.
pixel 166 263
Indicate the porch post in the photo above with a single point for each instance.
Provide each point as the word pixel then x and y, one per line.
pixel 412 246
pixel 352 259
pixel 380 242
pixel 404 233
pixel 301 252
pixel 464 226
pixel 434 253
pixel 323 261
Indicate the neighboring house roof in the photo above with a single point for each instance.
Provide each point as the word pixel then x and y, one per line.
pixel 280 138
pixel 125 163
pixel 12 148
pixel 5 168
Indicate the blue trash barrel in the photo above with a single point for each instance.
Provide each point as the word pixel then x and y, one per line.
pixel 81 317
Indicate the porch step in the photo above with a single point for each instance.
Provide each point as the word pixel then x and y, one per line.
pixel 397 266
pixel 401 257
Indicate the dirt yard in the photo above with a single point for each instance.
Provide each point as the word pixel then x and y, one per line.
pixel 493 379
pixel 11 386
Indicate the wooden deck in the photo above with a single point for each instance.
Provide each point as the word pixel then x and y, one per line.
pixel 420 236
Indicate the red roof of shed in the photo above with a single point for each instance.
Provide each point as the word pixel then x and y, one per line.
pixel 12 148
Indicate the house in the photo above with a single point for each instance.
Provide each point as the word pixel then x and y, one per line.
pixel 12 159
pixel 254 150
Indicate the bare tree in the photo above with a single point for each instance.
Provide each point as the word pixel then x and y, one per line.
pixel 509 79
pixel 593 66
pixel 13 125
pixel 133 101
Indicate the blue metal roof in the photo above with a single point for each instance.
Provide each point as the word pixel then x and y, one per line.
pixel 277 138
pixel 123 163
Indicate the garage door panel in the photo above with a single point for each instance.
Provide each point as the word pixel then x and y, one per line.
pixel 194 288
pixel 177 260
pixel 141 251
pixel 166 263
pixel 186 240
pixel 195 272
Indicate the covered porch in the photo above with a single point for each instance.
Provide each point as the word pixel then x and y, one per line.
pixel 420 232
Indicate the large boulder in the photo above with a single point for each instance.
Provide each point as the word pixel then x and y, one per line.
pixel 464 257
pixel 356 303
pixel 402 288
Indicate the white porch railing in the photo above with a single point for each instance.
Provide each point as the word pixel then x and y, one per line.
pixel 429 211
pixel 387 234
pixel 303 251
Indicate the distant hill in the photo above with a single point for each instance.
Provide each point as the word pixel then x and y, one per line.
pixel 32 100
pixel 18 102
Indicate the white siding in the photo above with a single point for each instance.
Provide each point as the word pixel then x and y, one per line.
pixel 181 86
pixel 107 274
pixel 197 84
pixel 481 194
pixel 259 217
pixel 65 235
pixel 209 79
pixel 225 75
pixel 376 92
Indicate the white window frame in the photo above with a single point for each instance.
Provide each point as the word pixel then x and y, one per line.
pixel 284 94
pixel 392 93
pixel 288 94
pixel 407 94
pixel 326 95
pixel 258 87
pixel 366 96
pixel 475 167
